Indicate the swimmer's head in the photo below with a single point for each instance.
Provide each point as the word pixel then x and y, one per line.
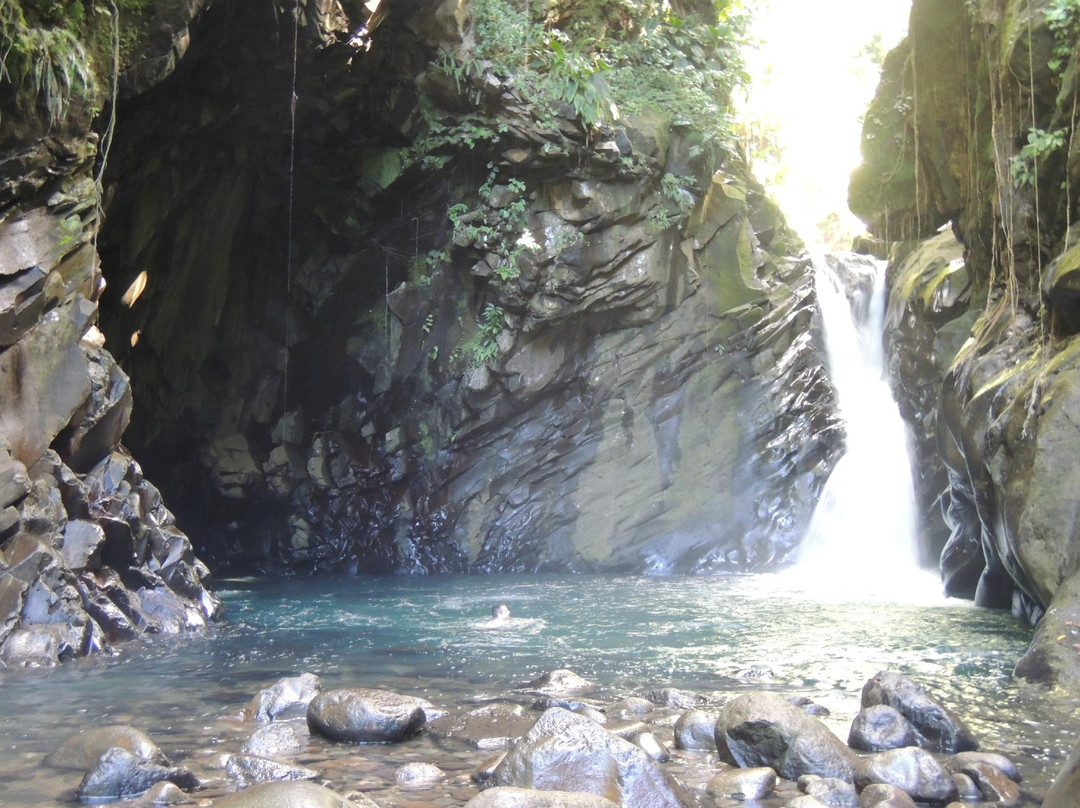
pixel 500 612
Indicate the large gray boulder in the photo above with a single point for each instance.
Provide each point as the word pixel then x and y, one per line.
pixel 564 751
pixel 912 769
pixel 364 715
pixel 935 725
pixel 298 794
pixel 763 729
pixel 83 750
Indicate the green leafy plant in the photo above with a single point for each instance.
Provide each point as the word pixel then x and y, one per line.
pixel 1041 143
pixel 1063 17
pixel 483 346
pixel 48 66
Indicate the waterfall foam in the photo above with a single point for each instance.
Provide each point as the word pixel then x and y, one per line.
pixel 863 536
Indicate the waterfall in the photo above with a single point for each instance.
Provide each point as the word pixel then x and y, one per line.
pixel 865 523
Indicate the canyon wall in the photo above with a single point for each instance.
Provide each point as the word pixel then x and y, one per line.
pixel 969 169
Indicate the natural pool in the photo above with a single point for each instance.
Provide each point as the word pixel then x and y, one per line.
pixel 421 636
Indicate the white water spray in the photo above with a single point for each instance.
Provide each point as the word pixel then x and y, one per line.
pixel 863 535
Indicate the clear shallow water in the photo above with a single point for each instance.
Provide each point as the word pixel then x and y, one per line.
pixel 420 636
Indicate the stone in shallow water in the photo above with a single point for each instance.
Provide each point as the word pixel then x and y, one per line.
pixel 560 680
pixel 763 729
pixel 938 729
pixel 1000 762
pixel 419 773
pixel 566 752
pixel 297 794
pixel 652 746
pixel 511 797
pixel 674 697
pixel 879 728
pixel 83 750
pixel 743 784
pixel 883 795
pixel 694 730
pixel 364 715
pixel 286 698
pixel 274 740
pixel 118 773
pixel 831 791
pixel 912 769
pixel 247 770
pixel 490 726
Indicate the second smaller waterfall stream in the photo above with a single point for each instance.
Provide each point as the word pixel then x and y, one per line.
pixel 865 525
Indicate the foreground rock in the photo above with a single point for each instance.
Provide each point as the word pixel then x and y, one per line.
pixel 118 774
pixel 362 715
pixel 284 795
pixel 743 784
pixel 567 752
pixel 511 797
pixel 763 729
pixel 913 770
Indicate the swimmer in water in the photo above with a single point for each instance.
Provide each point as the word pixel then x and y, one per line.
pixel 500 613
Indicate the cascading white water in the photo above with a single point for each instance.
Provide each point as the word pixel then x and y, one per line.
pixel 866 518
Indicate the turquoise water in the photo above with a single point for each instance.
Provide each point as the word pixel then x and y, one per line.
pixel 423 636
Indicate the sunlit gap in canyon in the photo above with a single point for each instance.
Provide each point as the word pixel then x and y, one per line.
pixel 864 529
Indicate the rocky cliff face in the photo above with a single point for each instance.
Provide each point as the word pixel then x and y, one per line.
pixel 89 554
pixel 973 127
pixel 522 333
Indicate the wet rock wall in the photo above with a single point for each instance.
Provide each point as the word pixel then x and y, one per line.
pixel 89 553
pixel 984 332
pixel 514 342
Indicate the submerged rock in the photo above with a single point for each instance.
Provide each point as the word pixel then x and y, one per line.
pixel 363 715
pixel 83 750
pixel 560 680
pixel 247 770
pixel 286 698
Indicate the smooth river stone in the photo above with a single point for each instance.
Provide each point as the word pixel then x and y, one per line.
pixel 82 751
pixel 296 794
pixel 512 797
pixel 743 784
pixel 363 715
pixel 763 729
pixel 912 769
